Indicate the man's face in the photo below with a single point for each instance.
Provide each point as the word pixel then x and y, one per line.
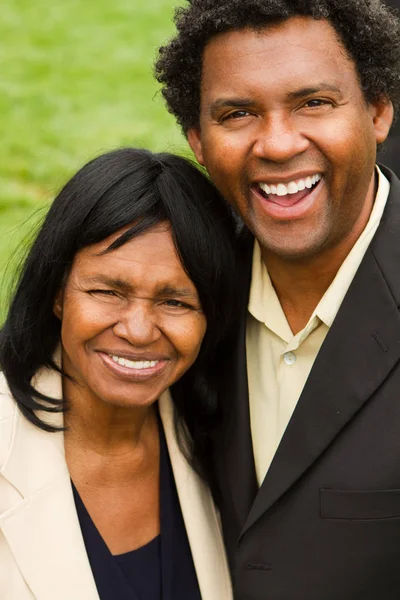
pixel 288 137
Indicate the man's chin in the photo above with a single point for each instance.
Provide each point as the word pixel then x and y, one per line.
pixel 290 248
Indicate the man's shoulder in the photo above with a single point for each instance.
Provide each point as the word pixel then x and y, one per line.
pixel 244 244
pixel 389 226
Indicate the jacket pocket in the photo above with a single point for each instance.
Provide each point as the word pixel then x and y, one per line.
pixel 359 505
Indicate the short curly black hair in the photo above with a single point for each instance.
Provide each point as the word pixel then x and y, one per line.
pixel 369 30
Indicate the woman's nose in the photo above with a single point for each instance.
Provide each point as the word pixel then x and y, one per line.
pixel 138 324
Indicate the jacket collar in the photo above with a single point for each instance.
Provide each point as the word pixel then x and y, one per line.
pixel 41 525
pixel 43 454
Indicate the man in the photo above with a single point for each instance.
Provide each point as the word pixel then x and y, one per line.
pixel 285 102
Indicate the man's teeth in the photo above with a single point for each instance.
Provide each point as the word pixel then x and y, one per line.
pixel 134 364
pixel 282 189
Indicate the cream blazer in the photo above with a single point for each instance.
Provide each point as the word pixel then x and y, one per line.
pixel 42 552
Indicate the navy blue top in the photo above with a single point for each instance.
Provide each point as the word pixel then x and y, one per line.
pixel 145 561
pixel 162 569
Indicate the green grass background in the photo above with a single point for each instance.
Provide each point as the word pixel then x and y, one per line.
pixel 76 80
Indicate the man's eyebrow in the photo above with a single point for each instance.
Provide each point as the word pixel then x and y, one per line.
pixel 230 103
pixel 314 89
pixel 235 102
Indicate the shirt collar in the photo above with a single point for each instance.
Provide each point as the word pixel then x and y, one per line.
pixel 264 304
pixel 329 304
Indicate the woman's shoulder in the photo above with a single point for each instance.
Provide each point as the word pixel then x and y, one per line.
pixel 8 411
pixel 8 405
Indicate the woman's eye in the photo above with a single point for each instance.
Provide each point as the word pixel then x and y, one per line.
pixel 179 306
pixel 102 292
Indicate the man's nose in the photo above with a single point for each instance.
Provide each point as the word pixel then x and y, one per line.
pixel 279 140
pixel 138 324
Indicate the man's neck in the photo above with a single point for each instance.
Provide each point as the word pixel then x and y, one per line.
pixel 299 288
pixel 301 284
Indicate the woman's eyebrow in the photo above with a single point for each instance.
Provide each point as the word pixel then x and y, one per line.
pixel 121 284
pixel 182 292
pixel 114 282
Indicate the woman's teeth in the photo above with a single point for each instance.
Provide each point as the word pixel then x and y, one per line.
pixel 283 189
pixel 134 364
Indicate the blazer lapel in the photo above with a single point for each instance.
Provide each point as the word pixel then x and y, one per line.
pixel 46 542
pixel 42 528
pixel 199 515
pixel 359 352
pixel 234 448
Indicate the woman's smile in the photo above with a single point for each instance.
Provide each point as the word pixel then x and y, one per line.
pixel 136 370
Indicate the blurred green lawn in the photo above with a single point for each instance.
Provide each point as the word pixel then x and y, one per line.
pixel 76 80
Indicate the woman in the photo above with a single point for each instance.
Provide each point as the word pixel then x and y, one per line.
pixel 128 282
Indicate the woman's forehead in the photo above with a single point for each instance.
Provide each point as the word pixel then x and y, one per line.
pixel 147 261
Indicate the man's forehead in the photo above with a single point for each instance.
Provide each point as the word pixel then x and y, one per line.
pixel 299 47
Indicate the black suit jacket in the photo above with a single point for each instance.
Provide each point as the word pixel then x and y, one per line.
pixel 325 524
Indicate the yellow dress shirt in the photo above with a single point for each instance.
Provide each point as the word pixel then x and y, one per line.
pixel 278 362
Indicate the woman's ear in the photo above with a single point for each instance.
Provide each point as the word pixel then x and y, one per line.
pixel 58 303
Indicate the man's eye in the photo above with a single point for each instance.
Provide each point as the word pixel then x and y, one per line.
pixel 317 102
pixel 238 114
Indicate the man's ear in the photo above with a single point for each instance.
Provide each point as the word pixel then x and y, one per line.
pixel 58 304
pixel 194 139
pixel 383 119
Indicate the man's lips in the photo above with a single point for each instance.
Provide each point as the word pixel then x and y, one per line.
pixel 288 206
pixel 289 199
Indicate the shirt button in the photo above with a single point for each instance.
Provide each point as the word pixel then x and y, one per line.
pixel 289 358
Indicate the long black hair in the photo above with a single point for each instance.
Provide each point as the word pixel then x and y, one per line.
pixel 125 187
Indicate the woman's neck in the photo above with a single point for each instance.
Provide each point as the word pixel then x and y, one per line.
pixel 104 428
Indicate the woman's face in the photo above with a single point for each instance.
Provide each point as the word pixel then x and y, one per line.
pixel 131 320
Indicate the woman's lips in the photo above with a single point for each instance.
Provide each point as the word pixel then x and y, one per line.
pixel 131 373
pixel 290 206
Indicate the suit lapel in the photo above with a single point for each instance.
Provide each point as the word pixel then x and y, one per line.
pixel 234 448
pixel 359 352
pixel 42 527
pixel 199 515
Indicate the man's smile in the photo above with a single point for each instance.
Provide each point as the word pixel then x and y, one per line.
pixel 279 203
pixel 290 188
